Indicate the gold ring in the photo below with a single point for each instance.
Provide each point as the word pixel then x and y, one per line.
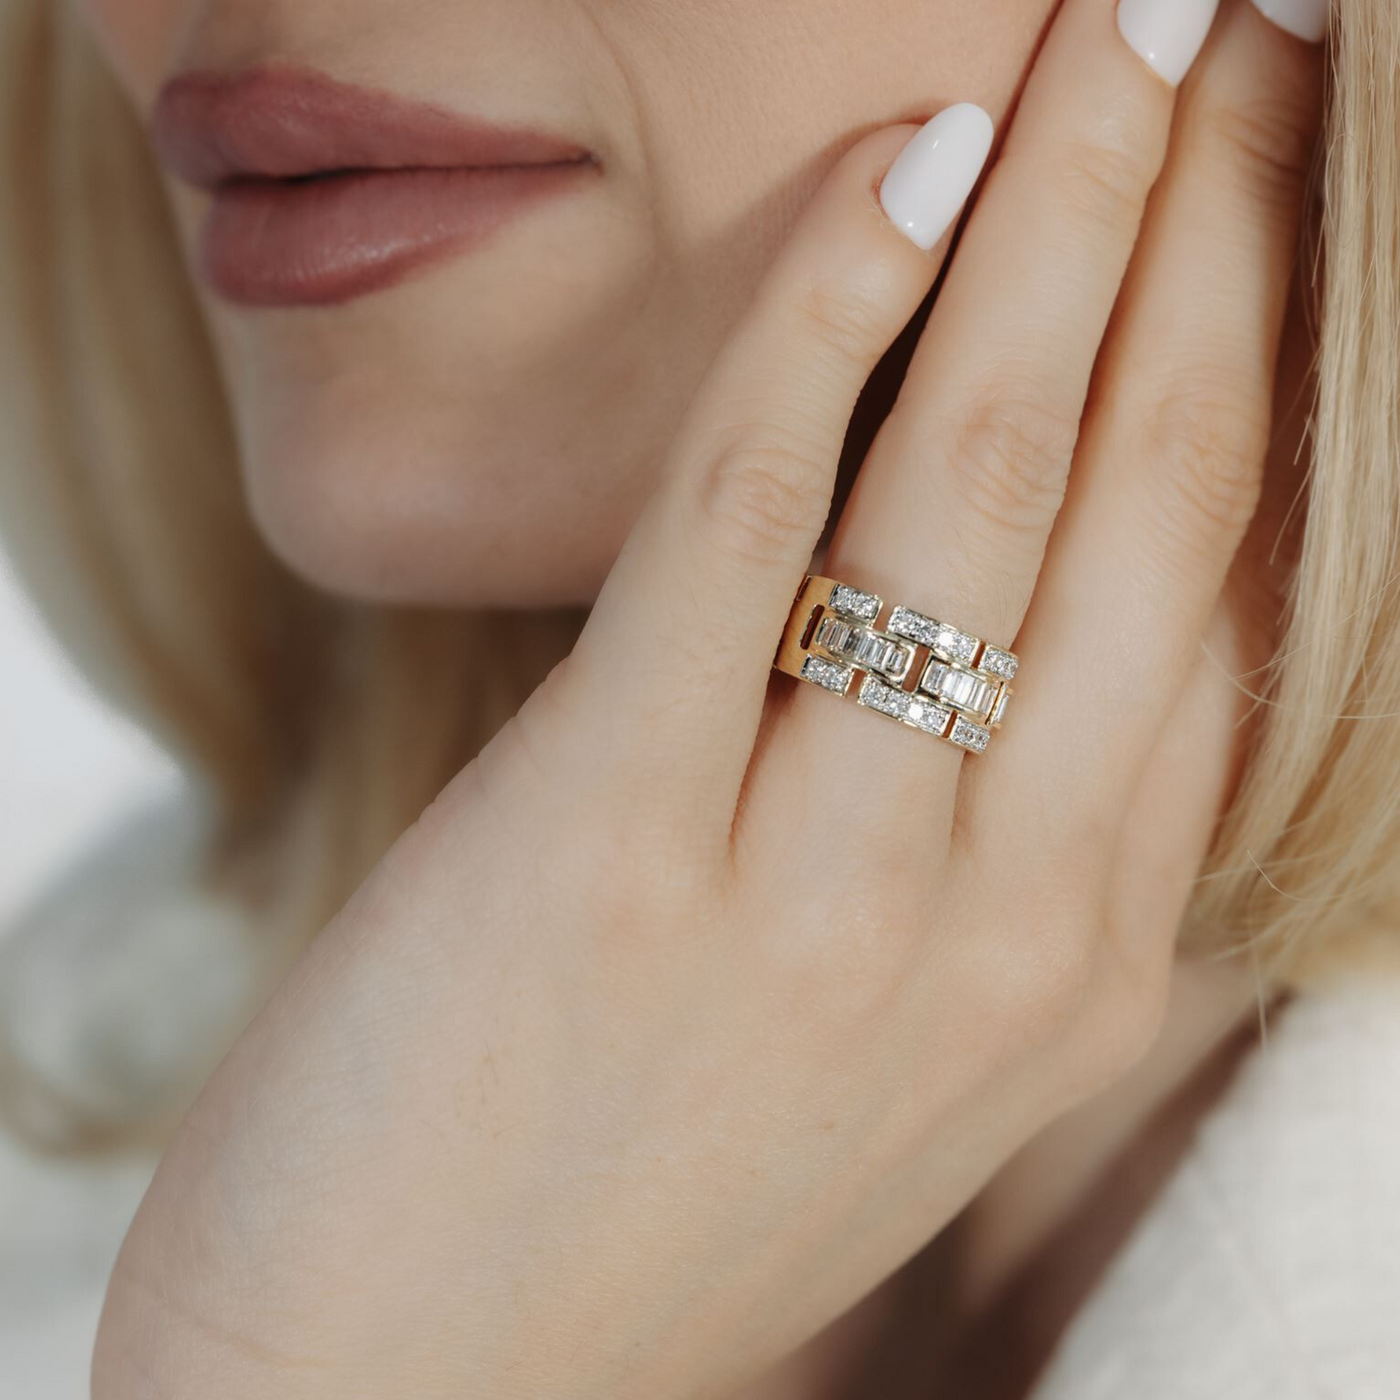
pixel 926 674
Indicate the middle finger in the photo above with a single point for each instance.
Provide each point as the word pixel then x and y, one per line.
pixel 951 513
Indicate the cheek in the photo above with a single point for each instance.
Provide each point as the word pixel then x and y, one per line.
pixel 137 37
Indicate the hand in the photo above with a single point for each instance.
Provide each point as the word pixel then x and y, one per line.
pixel 697 1003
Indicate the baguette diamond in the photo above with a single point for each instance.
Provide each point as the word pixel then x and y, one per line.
pixel 957 686
pixel 999 709
pixel 859 646
pixel 834 634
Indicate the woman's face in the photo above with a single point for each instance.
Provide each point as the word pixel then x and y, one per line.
pixel 454 370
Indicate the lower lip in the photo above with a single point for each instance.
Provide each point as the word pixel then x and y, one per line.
pixel 327 240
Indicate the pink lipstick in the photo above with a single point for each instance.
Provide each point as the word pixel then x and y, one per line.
pixel 322 192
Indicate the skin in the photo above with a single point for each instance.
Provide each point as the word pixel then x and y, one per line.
pixel 524 380
pixel 641 1092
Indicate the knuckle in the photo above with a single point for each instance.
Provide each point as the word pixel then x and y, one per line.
pixel 1128 1027
pixel 843 969
pixel 534 734
pixel 1267 144
pixel 1049 995
pixel 766 497
pixel 1105 185
pixel 1010 460
pixel 1204 451
pixel 622 883
pixel 530 754
pixel 1051 942
pixel 848 319
pixel 1123 1021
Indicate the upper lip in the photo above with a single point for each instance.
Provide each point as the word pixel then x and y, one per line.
pixel 286 123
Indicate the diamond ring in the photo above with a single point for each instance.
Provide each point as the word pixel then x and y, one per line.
pixel 926 674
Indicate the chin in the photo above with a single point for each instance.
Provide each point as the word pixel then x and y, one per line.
pixel 464 440
pixel 382 520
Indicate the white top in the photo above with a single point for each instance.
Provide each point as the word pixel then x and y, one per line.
pixel 1268 1267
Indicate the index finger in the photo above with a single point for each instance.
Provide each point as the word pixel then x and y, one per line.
pixel 683 633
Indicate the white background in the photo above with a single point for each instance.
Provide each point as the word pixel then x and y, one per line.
pixel 69 768
pixel 69 771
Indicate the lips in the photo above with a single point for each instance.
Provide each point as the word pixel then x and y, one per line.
pixel 322 192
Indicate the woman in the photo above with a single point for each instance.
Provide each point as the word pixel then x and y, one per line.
pixel 709 1034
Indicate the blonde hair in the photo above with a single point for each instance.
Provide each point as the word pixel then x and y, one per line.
pixel 318 729
pixel 314 730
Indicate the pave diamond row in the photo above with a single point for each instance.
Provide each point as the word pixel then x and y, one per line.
pixel 955 645
pixel 864 607
pixel 898 704
pixel 941 638
pixel 969 735
pixel 998 662
pixel 827 674
pixel 914 627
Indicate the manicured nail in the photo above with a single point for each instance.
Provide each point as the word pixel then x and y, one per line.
pixel 933 175
pixel 1167 34
pixel 1305 18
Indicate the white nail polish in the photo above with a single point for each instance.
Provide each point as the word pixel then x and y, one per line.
pixel 1166 34
pixel 1305 18
pixel 933 175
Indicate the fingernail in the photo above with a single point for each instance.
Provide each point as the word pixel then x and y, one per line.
pixel 1166 34
pixel 933 175
pixel 1305 18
